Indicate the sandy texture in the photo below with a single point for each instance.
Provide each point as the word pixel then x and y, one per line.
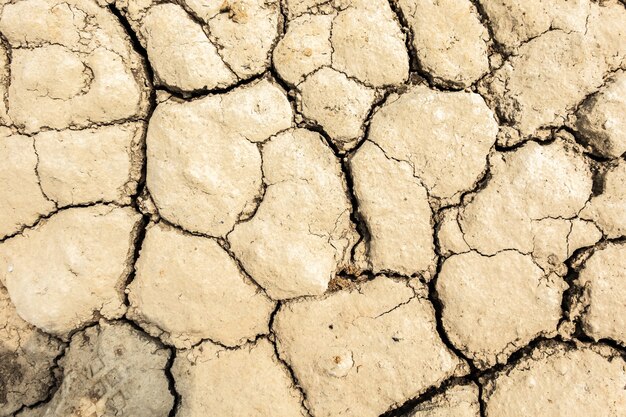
pixel 312 208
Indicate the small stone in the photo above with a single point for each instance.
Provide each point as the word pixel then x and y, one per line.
pixel 209 377
pixel 557 380
pixel 495 305
pixel 382 329
pixel 187 288
pixel 603 279
pixel 72 268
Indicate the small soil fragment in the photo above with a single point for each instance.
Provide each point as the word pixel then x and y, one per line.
pixel 603 303
pixel 601 121
pixel 188 288
pixel 111 370
pixel 71 268
pixel 26 360
pixel 22 201
pixel 456 401
pixel 301 234
pixel 493 306
pixel 449 40
pixel 91 165
pixel 359 352
pixel 558 380
pixel 204 168
pixel 209 379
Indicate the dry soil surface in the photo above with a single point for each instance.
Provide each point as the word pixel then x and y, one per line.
pixel 312 208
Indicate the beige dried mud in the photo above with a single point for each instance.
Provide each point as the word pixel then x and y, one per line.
pixel 337 103
pixel 456 401
pixel 71 269
pixel 557 380
pixel 492 306
pixel 603 282
pixel 71 65
pixel 607 209
pixel 203 164
pixel 312 208
pixel 363 351
pixel 209 377
pixel 300 236
pixel 340 57
pixel 533 196
pixel 553 69
pixel 187 288
pixel 449 40
pixel 394 203
pixel 224 42
pixel 92 165
pixel 22 201
pixel 415 126
pixel 600 119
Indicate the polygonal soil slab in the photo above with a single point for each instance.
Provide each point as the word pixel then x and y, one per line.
pixel 359 352
pixel 188 288
pixel 209 377
pixel 72 268
pixel 558 380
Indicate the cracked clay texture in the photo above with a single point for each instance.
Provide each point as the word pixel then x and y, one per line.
pixel 312 208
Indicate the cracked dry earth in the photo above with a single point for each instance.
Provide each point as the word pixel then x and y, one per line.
pixel 312 208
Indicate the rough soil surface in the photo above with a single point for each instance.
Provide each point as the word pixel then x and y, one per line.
pixel 312 208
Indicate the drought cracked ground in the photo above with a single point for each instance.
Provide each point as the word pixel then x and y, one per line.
pixel 313 208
